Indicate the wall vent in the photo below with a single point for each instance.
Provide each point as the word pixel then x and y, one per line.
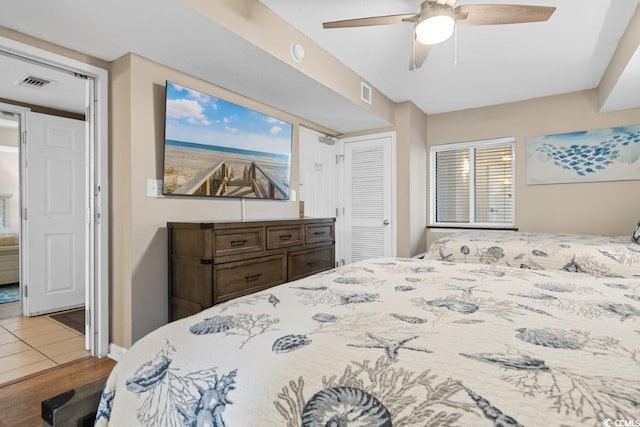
pixel 33 81
pixel 365 92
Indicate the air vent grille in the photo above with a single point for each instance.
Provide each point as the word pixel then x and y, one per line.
pixel 33 81
pixel 365 92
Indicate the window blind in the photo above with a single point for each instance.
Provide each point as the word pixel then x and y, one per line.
pixel 472 183
pixel 494 198
pixel 452 186
pixel 4 208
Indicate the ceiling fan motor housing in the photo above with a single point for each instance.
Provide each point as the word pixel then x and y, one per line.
pixel 436 23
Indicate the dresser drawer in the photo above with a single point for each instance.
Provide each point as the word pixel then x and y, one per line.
pixel 305 263
pixel 214 261
pixel 233 279
pixel 283 236
pixel 231 242
pixel 317 233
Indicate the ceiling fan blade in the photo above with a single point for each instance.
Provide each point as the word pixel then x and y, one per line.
pixel 496 14
pixel 418 55
pixel 373 20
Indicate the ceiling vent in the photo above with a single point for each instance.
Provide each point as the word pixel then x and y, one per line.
pixel 33 82
pixel 365 92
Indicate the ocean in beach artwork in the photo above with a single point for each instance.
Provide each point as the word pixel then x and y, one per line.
pixel 611 154
pixel 215 148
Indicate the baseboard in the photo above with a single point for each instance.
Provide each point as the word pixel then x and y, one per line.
pixel 116 352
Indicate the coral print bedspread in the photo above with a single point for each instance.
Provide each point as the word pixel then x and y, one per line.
pixel 590 255
pixel 394 342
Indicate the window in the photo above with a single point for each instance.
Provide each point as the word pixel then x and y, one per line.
pixel 4 209
pixel 472 184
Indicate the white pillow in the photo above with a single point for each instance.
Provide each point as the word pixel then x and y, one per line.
pixel 636 234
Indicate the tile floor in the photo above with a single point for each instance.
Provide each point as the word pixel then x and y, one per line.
pixel 32 344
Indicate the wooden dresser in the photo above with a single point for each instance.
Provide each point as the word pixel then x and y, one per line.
pixel 212 262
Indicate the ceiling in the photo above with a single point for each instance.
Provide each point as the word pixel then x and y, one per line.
pixel 483 65
pixel 493 65
pixel 65 91
pixel 110 29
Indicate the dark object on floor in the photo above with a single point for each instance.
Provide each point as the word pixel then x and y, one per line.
pixel 75 407
pixel 9 293
pixel 73 319
pixel 21 401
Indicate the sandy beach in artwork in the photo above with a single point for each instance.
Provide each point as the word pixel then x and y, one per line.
pixel 181 165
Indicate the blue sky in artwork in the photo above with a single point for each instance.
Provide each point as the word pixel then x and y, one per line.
pixel 196 117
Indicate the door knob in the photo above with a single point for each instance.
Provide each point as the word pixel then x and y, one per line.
pixel 385 222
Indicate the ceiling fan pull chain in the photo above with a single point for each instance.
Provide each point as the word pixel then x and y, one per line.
pixel 455 46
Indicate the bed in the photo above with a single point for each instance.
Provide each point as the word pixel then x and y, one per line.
pixel 9 257
pixel 584 255
pixel 399 342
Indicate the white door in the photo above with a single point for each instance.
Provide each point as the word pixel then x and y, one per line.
pixel 55 227
pixel 368 193
pixel 317 174
pixel 318 177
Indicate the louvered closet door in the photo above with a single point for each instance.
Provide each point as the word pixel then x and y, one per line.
pixel 368 198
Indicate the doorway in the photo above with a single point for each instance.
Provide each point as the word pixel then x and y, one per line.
pixel 92 182
pixel 9 216
pixel 319 187
pixel 353 180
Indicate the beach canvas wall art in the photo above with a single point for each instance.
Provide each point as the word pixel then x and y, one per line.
pixel 215 148
pixel 611 154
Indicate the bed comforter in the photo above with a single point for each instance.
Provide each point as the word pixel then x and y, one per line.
pixel 589 255
pixel 399 342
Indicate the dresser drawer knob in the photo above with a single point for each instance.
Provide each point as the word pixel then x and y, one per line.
pixel 312 263
pixel 285 236
pixel 252 277
pixel 238 242
pixel 320 233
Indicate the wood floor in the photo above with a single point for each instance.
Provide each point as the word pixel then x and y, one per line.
pixel 20 402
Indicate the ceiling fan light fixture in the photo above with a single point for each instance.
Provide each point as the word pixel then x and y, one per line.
pixel 436 28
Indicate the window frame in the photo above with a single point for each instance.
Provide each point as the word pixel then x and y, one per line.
pixel 471 146
pixel 4 209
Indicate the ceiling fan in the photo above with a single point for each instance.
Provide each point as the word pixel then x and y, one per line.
pixel 435 21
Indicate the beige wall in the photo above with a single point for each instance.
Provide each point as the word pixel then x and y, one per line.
pixel 9 175
pixel 588 208
pixel 139 241
pixel 411 151
pixel 120 226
